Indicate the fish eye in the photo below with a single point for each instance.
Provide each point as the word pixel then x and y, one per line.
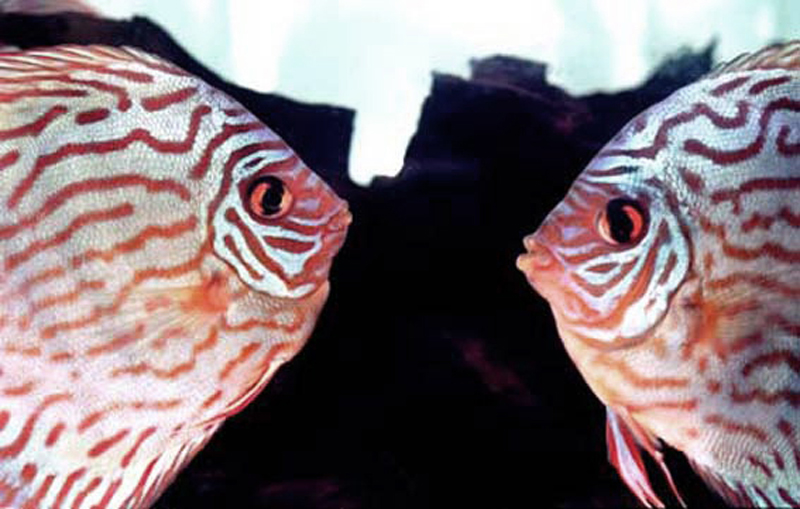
pixel 623 222
pixel 268 197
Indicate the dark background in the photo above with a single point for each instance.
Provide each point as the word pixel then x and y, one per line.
pixel 435 377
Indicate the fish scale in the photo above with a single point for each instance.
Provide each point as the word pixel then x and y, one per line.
pixel 143 298
pixel 686 324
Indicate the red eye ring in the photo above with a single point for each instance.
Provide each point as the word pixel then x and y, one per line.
pixel 268 197
pixel 623 222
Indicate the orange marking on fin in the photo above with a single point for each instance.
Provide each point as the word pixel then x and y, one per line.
pixel 156 303
pixel 64 298
pixel 208 342
pixel 144 367
pixel 117 342
pixel 139 276
pixel 211 297
pixel 170 333
pixel 39 278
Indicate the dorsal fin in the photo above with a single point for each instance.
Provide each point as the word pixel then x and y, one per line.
pixel 71 56
pixel 777 56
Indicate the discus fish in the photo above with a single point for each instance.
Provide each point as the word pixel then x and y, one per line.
pixel 163 252
pixel 672 270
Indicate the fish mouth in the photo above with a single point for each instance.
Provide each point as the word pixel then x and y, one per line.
pixel 541 268
pixel 336 230
pixel 537 261
pixel 341 219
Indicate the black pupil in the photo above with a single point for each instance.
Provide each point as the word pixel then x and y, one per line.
pixel 620 225
pixel 273 197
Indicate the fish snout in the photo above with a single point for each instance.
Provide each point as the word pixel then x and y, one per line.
pixel 335 230
pixel 340 220
pixel 538 258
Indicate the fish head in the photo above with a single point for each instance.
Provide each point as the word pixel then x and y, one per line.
pixel 609 257
pixel 277 223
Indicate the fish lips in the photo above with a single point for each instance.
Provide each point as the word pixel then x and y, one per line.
pixel 540 266
pixel 336 229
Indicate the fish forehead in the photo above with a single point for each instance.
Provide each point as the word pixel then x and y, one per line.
pixel 125 339
pixel 723 108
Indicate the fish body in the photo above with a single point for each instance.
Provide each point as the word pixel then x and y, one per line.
pixel 672 267
pixel 163 252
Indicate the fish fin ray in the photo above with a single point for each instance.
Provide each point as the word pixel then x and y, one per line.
pixel 65 57
pixel 625 438
pixel 777 56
